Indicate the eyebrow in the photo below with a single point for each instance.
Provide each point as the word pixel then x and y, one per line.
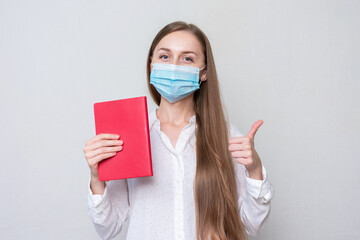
pixel 168 50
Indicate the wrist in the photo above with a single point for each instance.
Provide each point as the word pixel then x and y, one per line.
pixel 94 178
pixel 256 173
pixel 97 186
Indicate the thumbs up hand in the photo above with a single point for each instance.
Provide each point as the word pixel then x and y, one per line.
pixel 243 150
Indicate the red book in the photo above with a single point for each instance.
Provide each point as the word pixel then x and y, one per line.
pixel 129 119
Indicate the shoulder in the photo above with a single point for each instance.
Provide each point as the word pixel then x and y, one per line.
pixel 233 131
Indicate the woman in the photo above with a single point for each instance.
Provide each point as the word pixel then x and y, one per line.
pixel 208 181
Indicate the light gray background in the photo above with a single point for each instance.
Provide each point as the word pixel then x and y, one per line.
pixel 294 64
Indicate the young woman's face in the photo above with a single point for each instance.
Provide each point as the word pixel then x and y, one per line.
pixel 179 48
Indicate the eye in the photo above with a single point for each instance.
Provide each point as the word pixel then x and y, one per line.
pixel 188 59
pixel 165 57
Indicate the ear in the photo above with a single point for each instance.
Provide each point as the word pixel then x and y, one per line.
pixel 203 77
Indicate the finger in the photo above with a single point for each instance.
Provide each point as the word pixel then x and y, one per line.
pixel 254 129
pixel 95 160
pixel 105 143
pixel 102 150
pixel 239 147
pixel 237 140
pixel 241 154
pixel 102 136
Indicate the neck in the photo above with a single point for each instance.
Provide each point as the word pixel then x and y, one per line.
pixel 176 113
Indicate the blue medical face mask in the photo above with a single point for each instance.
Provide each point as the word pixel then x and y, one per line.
pixel 174 82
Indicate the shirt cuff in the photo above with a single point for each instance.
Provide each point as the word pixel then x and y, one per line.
pixel 259 188
pixel 98 202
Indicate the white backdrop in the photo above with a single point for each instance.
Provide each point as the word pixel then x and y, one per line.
pixel 294 64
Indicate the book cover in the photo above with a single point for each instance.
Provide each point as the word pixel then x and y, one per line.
pixel 129 119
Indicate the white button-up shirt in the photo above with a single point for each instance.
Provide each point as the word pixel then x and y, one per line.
pixel 163 206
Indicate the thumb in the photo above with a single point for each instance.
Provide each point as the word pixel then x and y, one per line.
pixel 254 129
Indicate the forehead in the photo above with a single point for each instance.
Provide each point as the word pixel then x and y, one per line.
pixel 180 41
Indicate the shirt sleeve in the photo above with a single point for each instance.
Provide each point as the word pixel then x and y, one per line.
pixel 260 189
pixel 254 196
pixel 109 211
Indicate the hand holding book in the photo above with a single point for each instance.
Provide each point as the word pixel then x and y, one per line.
pixel 100 147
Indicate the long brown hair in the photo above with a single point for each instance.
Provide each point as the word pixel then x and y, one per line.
pixel 217 212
